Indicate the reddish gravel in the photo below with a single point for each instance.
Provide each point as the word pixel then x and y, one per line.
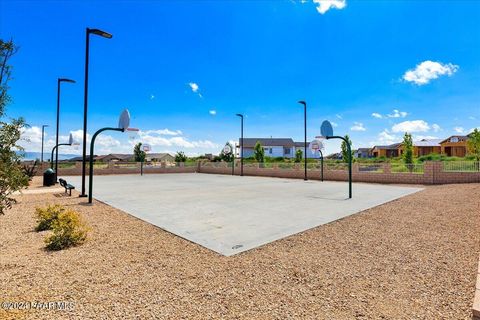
pixel 415 257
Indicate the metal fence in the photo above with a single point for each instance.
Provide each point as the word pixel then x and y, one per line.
pixel 461 166
pixel 417 168
pixel 371 167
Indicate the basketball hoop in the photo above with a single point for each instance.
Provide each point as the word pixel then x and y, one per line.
pixel 146 148
pixel 132 133
pixel 227 149
pixel 316 144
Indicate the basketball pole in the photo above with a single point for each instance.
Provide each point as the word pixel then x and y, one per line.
pixel 349 162
pixel 92 146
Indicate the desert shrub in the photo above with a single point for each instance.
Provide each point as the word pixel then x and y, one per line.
pixel 68 230
pixel 46 216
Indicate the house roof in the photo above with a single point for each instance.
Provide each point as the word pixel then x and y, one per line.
pixel 460 138
pixel 427 143
pixel 363 149
pixel 284 142
pixel 158 155
pixel 301 144
pixel 389 147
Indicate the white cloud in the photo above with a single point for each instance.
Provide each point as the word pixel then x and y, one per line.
pixel 472 118
pixel 32 135
pixel 436 127
pixel 386 137
pixel 334 124
pixel 358 126
pixel 339 116
pixel 459 130
pixel 411 126
pixel 165 132
pixel 429 70
pixel 421 137
pixel 377 115
pixel 212 112
pixel 325 5
pixel 397 114
pixel 193 86
pixel 152 97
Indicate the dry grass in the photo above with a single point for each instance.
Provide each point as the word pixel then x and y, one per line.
pixel 415 257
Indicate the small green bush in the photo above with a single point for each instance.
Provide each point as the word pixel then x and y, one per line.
pixel 46 216
pixel 68 230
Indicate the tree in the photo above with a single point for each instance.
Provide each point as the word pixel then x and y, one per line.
pixel 407 149
pixel 345 155
pixel 180 157
pixel 228 157
pixel 473 144
pixel 259 152
pixel 298 155
pixel 138 153
pixel 12 176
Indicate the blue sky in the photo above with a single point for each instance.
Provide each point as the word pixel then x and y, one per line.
pixel 184 68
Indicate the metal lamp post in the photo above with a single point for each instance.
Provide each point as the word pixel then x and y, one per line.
pixel 241 143
pixel 305 140
pixel 107 35
pixel 59 81
pixel 43 135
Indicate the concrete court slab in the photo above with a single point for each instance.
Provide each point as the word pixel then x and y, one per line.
pixel 232 214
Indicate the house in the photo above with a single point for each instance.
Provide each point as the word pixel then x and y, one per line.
pixel 454 146
pixel 390 151
pixel 362 153
pixel 275 147
pixel 115 157
pixel 423 147
pixel 158 157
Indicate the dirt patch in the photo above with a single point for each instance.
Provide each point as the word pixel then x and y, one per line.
pixel 415 257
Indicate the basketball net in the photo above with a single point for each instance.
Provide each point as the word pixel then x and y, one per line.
pixel 133 134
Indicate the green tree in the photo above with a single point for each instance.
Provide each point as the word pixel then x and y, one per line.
pixel 228 157
pixel 407 149
pixel 345 155
pixel 473 144
pixel 138 154
pixel 259 152
pixel 180 157
pixel 298 155
pixel 12 177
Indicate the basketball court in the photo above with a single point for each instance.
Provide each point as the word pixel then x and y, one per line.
pixel 232 214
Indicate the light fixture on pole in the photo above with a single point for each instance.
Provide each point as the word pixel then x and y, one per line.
pixel 241 143
pixel 43 135
pixel 305 142
pixel 59 81
pixel 103 34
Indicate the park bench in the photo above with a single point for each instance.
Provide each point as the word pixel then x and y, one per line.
pixel 66 185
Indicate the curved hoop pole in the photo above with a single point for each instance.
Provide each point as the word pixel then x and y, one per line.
pixel 349 163
pixel 53 151
pixel 92 145
pixel 321 159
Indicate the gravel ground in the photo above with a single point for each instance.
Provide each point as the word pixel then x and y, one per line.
pixel 412 258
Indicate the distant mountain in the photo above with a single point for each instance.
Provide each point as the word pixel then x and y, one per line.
pixel 46 156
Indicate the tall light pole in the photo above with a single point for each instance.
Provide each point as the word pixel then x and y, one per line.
pixel 85 99
pixel 305 128
pixel 241 144
pixel 43 134
pixel 59 81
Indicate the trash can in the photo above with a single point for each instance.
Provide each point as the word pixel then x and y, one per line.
pixel 48 177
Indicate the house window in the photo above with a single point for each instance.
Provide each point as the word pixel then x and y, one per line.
pixel 286 150
pixel 270 151
pixel 454 139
